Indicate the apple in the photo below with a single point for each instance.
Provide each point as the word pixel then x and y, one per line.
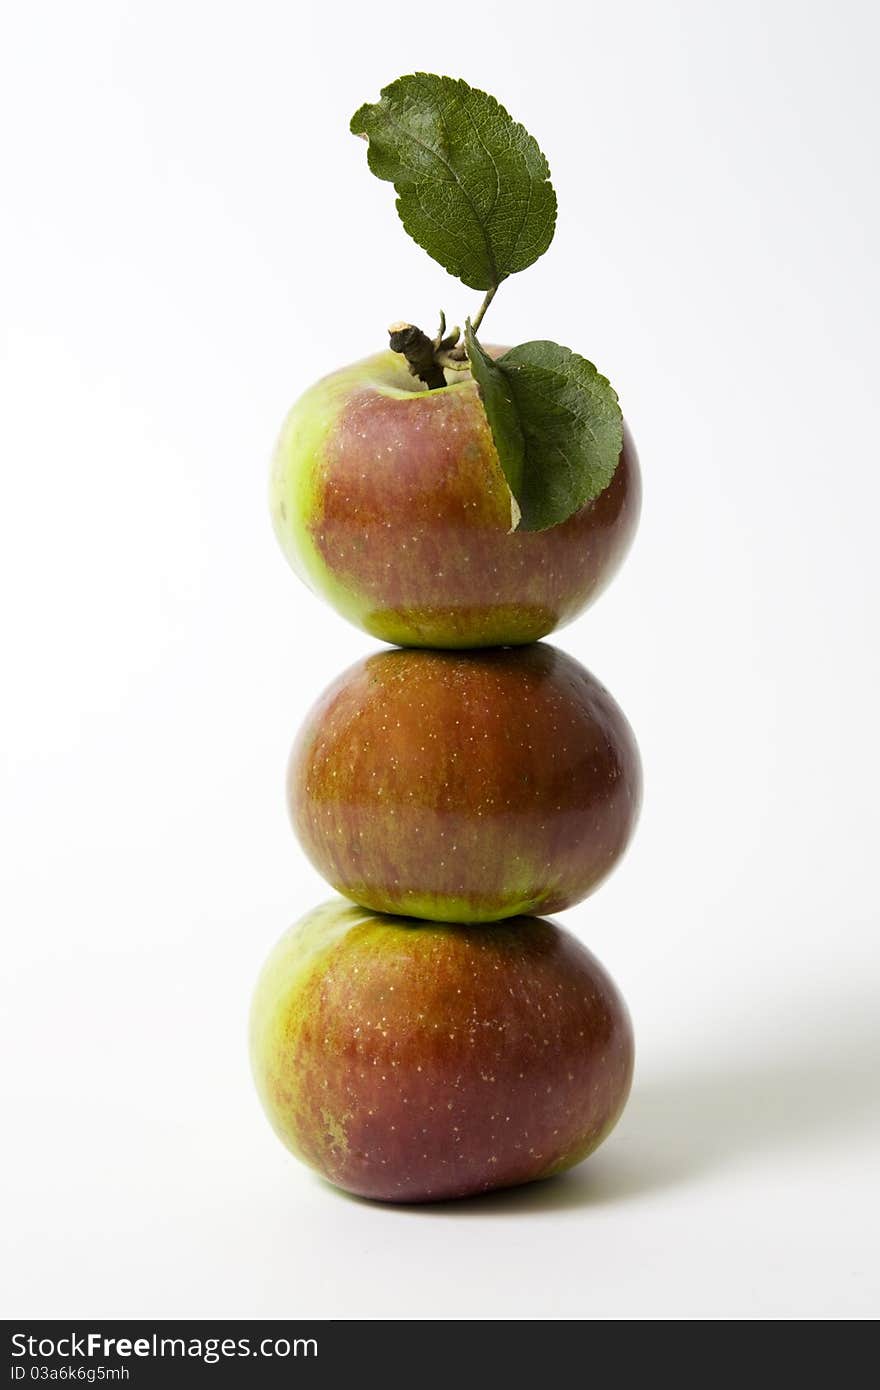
pixel 389 501
pixel 415 1061
pixel 465 786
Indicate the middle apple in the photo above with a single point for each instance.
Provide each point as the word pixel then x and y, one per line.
pixel 465 786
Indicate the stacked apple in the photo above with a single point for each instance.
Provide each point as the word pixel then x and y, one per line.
pixel 430 1037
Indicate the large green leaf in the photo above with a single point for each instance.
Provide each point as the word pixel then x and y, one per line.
pixel 473 188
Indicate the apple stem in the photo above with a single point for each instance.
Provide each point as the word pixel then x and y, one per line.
pixel 418 349
pixel 427 357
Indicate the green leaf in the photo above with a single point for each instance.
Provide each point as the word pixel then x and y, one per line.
pixel 473 188
pixel 556 423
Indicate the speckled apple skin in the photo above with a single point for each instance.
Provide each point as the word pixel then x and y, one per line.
pixel 413 1061
pixel 390 502
pixel 465 786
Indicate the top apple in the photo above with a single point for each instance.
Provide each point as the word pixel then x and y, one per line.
pixel 444 493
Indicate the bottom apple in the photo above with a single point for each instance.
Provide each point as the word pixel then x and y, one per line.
pixel 412 1061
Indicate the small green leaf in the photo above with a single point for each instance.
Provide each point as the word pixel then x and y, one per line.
pixel 473 188
pixel 556 423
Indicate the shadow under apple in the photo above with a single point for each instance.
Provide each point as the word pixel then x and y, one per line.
pixel 811 1084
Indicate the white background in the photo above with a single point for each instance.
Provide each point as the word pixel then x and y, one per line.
pixel 190 237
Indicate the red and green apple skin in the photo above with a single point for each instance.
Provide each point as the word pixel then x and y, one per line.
pixel 390 502
pixel 465 786
pixel 415 1061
